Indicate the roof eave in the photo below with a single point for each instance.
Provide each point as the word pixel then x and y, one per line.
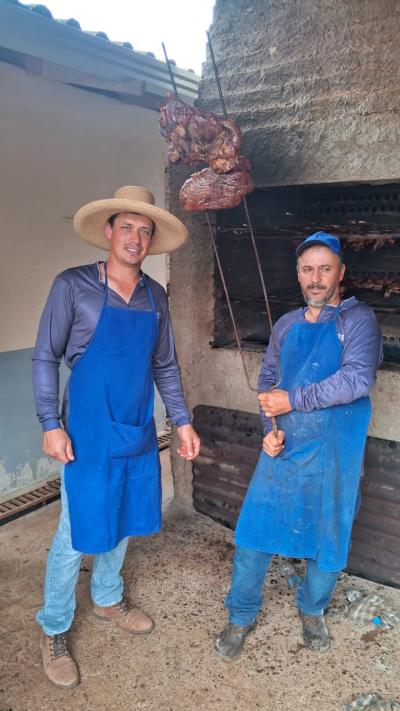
pixel 27 34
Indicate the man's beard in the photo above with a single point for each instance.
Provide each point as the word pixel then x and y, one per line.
pixel 318 302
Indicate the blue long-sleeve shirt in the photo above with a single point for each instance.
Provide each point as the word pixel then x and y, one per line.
pixel 360 335
pixel 68 321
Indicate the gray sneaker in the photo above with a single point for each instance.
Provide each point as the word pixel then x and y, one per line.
pixel 230 641
pixel 315 632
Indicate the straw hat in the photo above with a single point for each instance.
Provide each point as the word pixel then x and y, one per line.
pixel 169 232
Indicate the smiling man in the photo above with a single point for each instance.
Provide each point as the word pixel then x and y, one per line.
pixel 110 322
pixel 304 494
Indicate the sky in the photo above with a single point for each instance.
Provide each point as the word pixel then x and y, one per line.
pixel 180 24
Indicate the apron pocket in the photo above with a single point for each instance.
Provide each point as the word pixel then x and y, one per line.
pixel 129 441
pixel 304 457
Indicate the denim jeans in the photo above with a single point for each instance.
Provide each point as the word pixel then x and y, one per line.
pixel 250 567
pixel 63 565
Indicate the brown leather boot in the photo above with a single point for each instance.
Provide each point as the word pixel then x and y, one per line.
pixel 129 618
pixel 58 664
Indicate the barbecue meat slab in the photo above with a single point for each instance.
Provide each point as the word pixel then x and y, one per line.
pixel 208 190
pixel 196 136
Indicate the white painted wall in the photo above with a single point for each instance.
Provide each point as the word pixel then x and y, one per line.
pixel 60 148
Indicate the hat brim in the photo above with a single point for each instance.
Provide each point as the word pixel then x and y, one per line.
pixel 314 243
pixel 89 222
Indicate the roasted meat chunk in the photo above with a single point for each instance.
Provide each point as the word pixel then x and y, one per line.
pixel 208 190
pixel 197 136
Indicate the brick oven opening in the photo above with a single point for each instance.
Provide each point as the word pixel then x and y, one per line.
pixel 365 217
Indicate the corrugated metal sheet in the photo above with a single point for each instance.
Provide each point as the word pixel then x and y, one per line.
pixel 376 533
pixel 28 31
pixel 229 452
pixel 230 444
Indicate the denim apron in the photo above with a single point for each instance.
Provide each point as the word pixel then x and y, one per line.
pixel 302 503
pixel 113 485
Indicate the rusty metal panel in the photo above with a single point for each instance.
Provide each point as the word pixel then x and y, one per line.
pixel 230 448
pixel 229 452
pixel 376 533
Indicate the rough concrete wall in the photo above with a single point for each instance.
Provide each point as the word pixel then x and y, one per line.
pixel 313 84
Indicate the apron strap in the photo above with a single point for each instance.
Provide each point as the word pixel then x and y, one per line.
pixel 105 282
pixel 150 294
pixel 149 291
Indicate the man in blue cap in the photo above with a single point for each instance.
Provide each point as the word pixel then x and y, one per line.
pixel 304 493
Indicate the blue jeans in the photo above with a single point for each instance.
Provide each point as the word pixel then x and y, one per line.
pixel 250 567
pixel 63 565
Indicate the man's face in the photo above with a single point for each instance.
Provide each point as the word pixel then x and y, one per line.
pixel 129 237
pixel 320 272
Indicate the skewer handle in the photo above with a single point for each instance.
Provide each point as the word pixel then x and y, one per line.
pixel 275 428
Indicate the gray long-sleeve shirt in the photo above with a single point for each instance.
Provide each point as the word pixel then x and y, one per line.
pixel 68 321
pixel 360 335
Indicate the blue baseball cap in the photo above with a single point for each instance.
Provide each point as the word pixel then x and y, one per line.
pixel 320 238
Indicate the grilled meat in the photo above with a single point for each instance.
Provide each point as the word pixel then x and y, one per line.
pixel 208 190
pixel 388 284
pixel 197 136
pixel 377 241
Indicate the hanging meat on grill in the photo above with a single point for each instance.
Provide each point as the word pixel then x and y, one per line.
pixel 197 136
pixel 389 285
pixel 223 152
pixel 373 239
pixel 208 190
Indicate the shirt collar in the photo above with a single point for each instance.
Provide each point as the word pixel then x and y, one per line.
pixel 345 304
pixel 141 281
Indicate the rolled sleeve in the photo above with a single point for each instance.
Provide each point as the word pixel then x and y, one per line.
pixel 54 328
pixel 362 354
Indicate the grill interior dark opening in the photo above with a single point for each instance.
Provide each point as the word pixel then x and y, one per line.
pixel 365 217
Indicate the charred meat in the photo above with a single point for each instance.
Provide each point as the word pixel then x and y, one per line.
pixel 377 241
pixel 388 284
pixel 208 190
pixel 197 136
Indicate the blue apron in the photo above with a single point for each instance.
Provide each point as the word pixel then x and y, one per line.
pixel 302 503
pixel 113 485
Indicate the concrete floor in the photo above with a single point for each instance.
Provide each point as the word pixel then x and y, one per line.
pixel 180 577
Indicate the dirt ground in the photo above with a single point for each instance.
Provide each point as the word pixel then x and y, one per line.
pixel 180 577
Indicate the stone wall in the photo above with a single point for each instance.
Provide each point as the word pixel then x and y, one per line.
pixel 313 85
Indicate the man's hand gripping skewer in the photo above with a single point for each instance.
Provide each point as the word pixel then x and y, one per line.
pixel 274 403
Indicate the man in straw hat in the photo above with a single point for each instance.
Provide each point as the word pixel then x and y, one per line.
pixel 110 321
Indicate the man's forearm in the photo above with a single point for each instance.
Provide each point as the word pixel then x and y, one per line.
pixel 342 387
pixel 169 385
pixel 266 381
pixel 46 393
pixel 355 377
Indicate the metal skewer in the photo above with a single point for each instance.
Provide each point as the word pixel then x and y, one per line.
pixel 249 223
pixel 254 244
pixel 170 72
pixel 215 248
